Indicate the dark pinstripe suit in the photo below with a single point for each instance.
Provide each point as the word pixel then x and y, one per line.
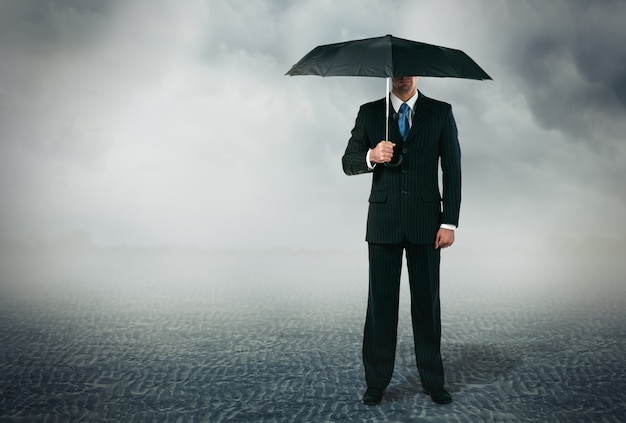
pixel 405 213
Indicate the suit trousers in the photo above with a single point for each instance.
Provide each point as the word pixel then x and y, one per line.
pixel 381 323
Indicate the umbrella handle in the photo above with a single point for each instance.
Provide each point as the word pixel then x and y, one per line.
pixel 397 163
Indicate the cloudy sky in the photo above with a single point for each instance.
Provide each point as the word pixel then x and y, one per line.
pixel 172 123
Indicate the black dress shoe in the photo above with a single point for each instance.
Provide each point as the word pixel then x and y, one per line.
pixel 439 395
pixel 372 396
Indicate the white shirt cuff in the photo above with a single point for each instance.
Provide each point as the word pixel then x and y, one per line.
pixel 448 226
pixel 370 165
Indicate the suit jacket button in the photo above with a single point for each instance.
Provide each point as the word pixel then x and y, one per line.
pixel 404 150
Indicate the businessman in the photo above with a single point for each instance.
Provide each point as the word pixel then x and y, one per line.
pixel 407 215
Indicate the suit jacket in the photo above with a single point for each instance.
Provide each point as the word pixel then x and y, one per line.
pixel 405 201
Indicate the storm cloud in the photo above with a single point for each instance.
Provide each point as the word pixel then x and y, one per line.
pixel 172 123
pixel 570 60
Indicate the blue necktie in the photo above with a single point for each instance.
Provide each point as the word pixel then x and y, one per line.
pixel 403 122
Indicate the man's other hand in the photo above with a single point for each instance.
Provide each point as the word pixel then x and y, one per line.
pixel 444 238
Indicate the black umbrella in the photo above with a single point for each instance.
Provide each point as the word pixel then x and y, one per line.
pixel 387 57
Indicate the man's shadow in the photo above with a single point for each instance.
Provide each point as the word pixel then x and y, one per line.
pixel 466 365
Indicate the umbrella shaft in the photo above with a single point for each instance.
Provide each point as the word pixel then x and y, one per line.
pixel 387 111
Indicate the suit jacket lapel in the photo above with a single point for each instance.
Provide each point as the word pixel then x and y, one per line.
pixel 394 130
pixel 379 119
pixel 421 110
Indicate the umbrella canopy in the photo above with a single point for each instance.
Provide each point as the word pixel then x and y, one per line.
pixel 387 57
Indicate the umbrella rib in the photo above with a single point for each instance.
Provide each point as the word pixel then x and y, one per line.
pixel 330 64
pixel 445 51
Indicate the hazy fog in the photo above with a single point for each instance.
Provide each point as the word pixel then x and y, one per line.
pixel 128 124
